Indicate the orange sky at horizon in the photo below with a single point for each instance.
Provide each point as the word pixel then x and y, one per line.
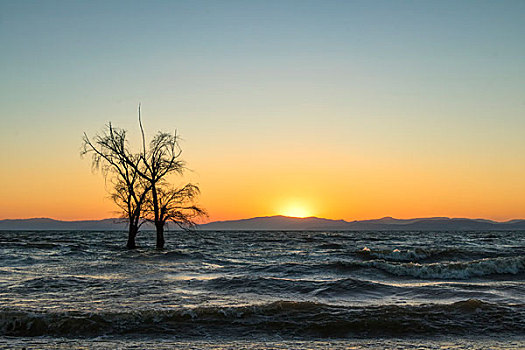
pixel 338 186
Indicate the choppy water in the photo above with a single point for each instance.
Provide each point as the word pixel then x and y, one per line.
pixel 263 289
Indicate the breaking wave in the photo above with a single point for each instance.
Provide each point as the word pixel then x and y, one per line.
pixel 442 270
pixel 454 270
pixel 302 319
pixel 399 255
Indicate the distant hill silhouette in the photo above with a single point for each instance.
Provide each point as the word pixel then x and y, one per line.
pixel 283 223
pixel 51 224
pixel 276 223
pixel 383 224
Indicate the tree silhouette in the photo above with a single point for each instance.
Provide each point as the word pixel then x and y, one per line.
pixel 161 159
pixel 111 155
pixel 140 188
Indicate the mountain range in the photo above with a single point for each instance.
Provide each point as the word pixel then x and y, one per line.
pixel 283 223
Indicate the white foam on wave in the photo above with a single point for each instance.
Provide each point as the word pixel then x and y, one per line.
pixel 453 270
pixel 396 254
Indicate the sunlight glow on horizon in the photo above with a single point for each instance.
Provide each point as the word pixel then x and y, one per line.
pixel 296 210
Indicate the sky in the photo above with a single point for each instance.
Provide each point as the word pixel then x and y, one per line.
pixel 338 109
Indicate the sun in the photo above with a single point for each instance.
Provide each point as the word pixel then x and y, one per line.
pixel 296 211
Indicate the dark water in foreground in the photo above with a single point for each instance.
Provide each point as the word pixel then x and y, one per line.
pixel 284 290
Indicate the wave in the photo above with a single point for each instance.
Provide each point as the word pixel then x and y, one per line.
pixel 283 318
pixel 454 270
pixel 441 270
pixel 434 254
pixel 284 286
pixel 416 254
pixel 45 284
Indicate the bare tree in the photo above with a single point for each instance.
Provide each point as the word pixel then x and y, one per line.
pixel 111 155
pixel 161 159
pixel 140 187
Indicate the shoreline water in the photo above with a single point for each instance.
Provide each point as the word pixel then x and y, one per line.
pixel 481 343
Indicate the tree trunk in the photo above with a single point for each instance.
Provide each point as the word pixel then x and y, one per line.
pixel 160 235
pixel 133 230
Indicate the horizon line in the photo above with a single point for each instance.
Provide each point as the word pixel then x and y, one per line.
pixel 283 216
